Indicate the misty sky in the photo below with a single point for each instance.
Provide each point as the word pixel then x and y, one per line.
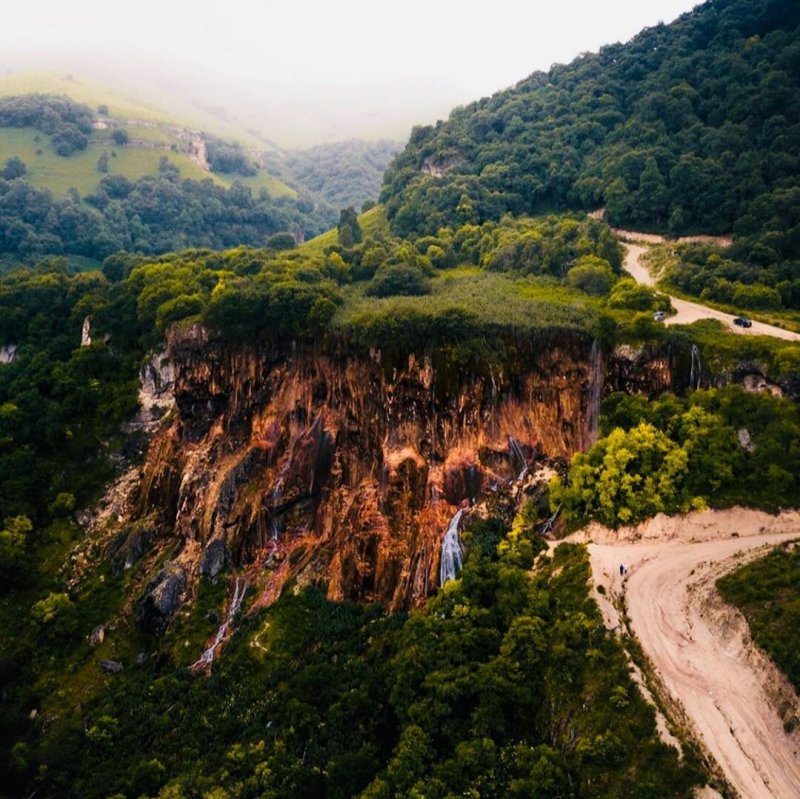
pixel 472 47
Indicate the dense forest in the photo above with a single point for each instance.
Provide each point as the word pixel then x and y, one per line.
pixel 149 215
pixel 343 174
pixel 690 127
pixel 505 685
pixel 152 214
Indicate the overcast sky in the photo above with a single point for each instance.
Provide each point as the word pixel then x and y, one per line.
pixel 475 47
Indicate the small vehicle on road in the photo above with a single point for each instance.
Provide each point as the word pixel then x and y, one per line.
pixel 660 316
pixel 742 321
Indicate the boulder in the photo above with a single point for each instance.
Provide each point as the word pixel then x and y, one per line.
pixel 214 559
pixel 161 600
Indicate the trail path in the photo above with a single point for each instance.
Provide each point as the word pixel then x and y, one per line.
pixel 688 312
pixel 724 687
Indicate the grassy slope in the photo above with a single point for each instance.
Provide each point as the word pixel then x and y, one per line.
pixel 48 170
pixel 154 127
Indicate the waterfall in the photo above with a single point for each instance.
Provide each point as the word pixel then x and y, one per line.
pixel 695 373
pixel 207 658
pixel 452 553
pixel 595 391
pixel 516 451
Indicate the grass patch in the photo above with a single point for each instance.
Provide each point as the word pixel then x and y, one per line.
pixel 494 301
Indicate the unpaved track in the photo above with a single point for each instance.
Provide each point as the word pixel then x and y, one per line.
pixel 722 685
pixel 688 312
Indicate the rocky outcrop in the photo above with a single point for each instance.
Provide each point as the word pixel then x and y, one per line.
pixel 161 600
pixel 341 468
pixel 213 559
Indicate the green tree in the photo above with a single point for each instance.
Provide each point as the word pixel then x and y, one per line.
pixel 14 168
pixel 348 229
pixel 624 478
pixel 592 275
pixel 120 136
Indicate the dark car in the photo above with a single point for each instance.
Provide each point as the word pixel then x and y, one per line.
pixel 742 321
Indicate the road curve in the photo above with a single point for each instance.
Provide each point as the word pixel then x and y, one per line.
pixel 688 312
pixel 700 648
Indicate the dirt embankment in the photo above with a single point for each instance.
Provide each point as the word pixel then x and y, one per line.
pixel 718 682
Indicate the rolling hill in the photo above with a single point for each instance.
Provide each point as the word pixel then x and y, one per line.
pixel 152 134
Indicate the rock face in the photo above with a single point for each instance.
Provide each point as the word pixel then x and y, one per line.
pixel 213 559
pixel 344 468
pixel 161 600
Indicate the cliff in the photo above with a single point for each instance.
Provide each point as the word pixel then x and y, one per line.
pixel 332 466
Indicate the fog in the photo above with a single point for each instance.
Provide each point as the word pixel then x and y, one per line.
pixel 304 72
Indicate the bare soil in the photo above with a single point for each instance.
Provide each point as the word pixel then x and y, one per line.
pixel 723 687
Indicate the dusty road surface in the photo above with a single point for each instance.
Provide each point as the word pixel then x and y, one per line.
pixel 688 312
pixel 723 686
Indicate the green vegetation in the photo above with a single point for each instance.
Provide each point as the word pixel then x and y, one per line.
pixel 690 127
pixel 45 170
pixel 506 684
pixel 70 187
pixel 720 448
pixel 229 159
pixel 150 215
pixel 67 123
pixel 767 591
pixel 343 174
pixel 735 278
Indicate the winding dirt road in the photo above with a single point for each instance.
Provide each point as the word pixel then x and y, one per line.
pixel 719 683
pixel 688 312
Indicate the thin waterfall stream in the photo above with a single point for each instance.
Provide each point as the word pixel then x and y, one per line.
pixel 595 391
pixel 207 658
pixel 696 371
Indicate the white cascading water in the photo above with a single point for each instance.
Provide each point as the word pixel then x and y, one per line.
pixel 516 450
pixel 696 371
pixel 595 391
pixel 207 658
pixel 452 553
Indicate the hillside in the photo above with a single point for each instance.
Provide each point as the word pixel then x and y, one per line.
pixel 343 174
pixel 80 182
pixel 151 132
pixel 689 128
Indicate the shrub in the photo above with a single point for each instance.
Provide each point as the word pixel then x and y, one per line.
pixel 401 279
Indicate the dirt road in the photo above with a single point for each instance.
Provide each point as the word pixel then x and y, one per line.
pixel 688 312
pixel 723 686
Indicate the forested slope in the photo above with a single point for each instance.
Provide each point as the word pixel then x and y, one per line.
pixel 689 127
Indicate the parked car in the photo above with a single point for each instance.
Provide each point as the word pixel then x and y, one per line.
pixel 742 321
pixel 660 316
